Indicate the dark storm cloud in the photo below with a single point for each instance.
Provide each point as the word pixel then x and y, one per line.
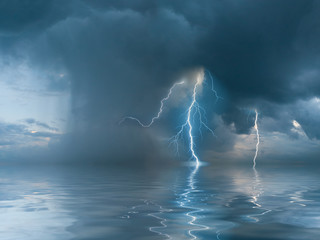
pixel 120 62
pixel 257 48
pixel 122 56
pixel 17 16
pixel 252 48
pixel 23 19
pixel 260 52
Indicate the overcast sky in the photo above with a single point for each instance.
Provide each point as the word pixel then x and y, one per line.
pixel 71 70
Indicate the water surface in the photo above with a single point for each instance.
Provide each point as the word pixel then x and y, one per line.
pixel 211 202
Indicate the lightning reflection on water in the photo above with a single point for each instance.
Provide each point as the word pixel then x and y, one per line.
pixel 257 191
pixel 189 200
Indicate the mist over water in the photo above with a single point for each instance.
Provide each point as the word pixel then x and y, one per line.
pixel 213 202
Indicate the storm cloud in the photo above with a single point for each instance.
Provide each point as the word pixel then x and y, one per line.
pixel 119 58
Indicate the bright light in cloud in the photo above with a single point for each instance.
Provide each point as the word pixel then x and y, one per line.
pixel 297 128
pixel 296 124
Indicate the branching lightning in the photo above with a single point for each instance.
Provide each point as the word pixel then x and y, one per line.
pixel 194 111
pixel 194 106
pixel 258 137
pixel 195 119
pixel 212 87
pixel 159 112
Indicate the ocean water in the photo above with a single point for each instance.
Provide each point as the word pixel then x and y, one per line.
pixel 212 202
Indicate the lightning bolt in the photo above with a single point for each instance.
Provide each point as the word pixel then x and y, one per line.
pixel 194 109
pixel 212 87
pixel 194 104
pixel 258 138
pixel 193 112
pixel 159 112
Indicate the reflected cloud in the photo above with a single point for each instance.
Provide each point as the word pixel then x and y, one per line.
pixel 34 212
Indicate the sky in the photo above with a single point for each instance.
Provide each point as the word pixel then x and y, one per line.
pixel 71 70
